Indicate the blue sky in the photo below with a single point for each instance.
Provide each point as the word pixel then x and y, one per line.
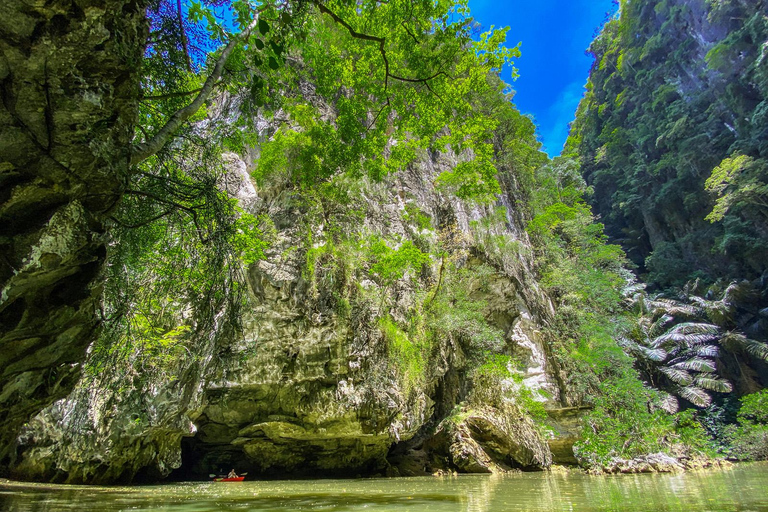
pixel 553 67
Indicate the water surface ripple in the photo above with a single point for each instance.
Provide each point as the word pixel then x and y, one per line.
pixel 743 488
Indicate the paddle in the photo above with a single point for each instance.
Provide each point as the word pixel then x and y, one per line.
pixel 214 475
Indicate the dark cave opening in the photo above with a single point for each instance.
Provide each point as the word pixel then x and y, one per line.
pixel 199 460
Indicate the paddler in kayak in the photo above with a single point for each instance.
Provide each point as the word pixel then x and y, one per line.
pixel 232 474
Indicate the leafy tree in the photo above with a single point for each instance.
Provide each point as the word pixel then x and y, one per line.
pixel 740 184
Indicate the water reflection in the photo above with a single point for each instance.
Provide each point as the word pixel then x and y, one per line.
pixel 743 488
pixel 477 496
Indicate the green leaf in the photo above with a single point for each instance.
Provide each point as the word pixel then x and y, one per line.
pixel 714 384
pixel 263 27
pixel 277 48
pixel 259 44
pixel 677 375
pixel 273 65
pixel 697 364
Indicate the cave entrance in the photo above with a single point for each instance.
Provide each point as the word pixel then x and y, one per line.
pixel 199 460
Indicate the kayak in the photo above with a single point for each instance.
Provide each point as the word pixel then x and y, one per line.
pixel 236 479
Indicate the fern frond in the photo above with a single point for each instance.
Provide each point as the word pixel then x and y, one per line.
pixel 654 354
pixel 719 313
pixel 696 364
pixel 695 395
pixel 688 333
pixel 674 308
pixel 742 291
pixel 708 351
pixel 734 341
pixel 713 384
pixel 659 325
pixel 669 403
pixel 633 290
pixel 756 348
pixel 677 375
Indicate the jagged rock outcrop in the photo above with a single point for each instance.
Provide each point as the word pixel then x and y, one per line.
pixel 658 463
pixel 310 385
pixel 486 440
pixel 69 91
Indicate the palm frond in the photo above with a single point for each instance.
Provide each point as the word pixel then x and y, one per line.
pixel 742 291
pixel 625 342
pixel 735 341
pixel 756 348
pixel 689 333
pixel 654 354
pixel 674 308
pixel 677 375
pixel 659 325
pixel 713 383
pixel 669 403
pixel 633 290
pixel 719 313
pixel 708 351
pixel 695 395
pixel 640 351
pixel 698 364
pixel 699 301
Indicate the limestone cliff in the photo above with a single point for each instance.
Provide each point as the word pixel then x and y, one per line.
pixel 68 106
pixel 322 378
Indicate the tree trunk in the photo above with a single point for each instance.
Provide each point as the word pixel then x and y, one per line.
pixel 69 78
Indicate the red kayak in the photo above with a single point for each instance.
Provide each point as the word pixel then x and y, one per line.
pixel 236 479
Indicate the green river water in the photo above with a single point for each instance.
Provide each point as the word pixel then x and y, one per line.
pixel 744 488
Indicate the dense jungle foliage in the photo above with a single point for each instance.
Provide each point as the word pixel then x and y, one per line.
pixel 672 137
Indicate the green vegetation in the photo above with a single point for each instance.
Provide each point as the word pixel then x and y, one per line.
pixel 628 420
pixel 178 239
pixel 410 354
pixel 584 275
pixel 671 134
pixel 749 439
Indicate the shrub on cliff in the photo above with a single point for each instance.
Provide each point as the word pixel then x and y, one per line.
pixel 749 439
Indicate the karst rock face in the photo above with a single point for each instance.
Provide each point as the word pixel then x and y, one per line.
pixel 69 83
pixel 310 388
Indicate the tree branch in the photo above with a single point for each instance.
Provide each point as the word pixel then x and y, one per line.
pixel 382 50
pixel 141 152
pixel 180 18
pixel 170 95
pixel 191 211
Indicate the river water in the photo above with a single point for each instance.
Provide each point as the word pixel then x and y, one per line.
pixel 743 488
